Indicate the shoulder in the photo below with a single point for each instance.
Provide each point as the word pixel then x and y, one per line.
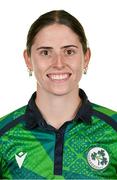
pixel 105 114
pixel 104 110
pixel 12 118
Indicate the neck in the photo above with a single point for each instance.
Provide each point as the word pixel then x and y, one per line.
pixel 56 110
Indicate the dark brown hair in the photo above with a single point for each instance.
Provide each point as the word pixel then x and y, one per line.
pixel 59 17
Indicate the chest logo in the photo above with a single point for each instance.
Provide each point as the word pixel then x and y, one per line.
pixel 20 157
pixel 98 158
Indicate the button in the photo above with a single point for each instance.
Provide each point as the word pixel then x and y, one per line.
pixel 59 134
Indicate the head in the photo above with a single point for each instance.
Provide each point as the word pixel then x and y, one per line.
pixel 55 31
pixel 59 17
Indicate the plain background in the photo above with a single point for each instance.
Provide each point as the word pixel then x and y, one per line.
pixel 99 19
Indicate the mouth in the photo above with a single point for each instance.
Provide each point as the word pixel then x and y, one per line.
pixel 59 76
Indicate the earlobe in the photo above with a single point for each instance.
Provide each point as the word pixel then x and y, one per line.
pixel 27 59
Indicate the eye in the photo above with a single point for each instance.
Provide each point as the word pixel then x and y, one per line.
pixel 69 52
pixel 45 53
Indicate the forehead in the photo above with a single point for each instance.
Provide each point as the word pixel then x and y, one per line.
pixel 56 33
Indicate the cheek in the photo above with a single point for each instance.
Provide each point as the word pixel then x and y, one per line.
pixel 39 70
pixel 78 73
pixel 37 65
pixel 77 66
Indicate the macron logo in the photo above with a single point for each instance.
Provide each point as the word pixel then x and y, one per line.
pixel 20 157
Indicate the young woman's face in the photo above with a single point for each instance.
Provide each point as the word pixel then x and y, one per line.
pixel 57 59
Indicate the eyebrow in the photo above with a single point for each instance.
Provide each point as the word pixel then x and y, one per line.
pixel 63 47
pixel 67 46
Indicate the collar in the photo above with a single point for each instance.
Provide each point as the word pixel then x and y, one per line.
pixel 34 117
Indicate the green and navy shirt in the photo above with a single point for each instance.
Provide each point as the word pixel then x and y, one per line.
pixel 83 148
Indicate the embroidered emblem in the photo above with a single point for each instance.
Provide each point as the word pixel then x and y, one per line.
pixel 98 158
pixel 20 157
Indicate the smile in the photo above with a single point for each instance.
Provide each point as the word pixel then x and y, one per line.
pixel 63 76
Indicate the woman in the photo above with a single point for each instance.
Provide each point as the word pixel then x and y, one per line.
pixel 60 134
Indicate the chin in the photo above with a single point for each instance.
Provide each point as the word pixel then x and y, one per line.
pixel 60 92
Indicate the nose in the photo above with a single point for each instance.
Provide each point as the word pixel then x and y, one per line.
pixel 59 62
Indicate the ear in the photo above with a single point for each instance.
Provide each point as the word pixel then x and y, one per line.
pixel 87 57
pixel 27 59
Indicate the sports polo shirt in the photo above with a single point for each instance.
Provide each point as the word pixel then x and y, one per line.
pixel 83 148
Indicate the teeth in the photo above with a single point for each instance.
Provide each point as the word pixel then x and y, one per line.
pixel 58 77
